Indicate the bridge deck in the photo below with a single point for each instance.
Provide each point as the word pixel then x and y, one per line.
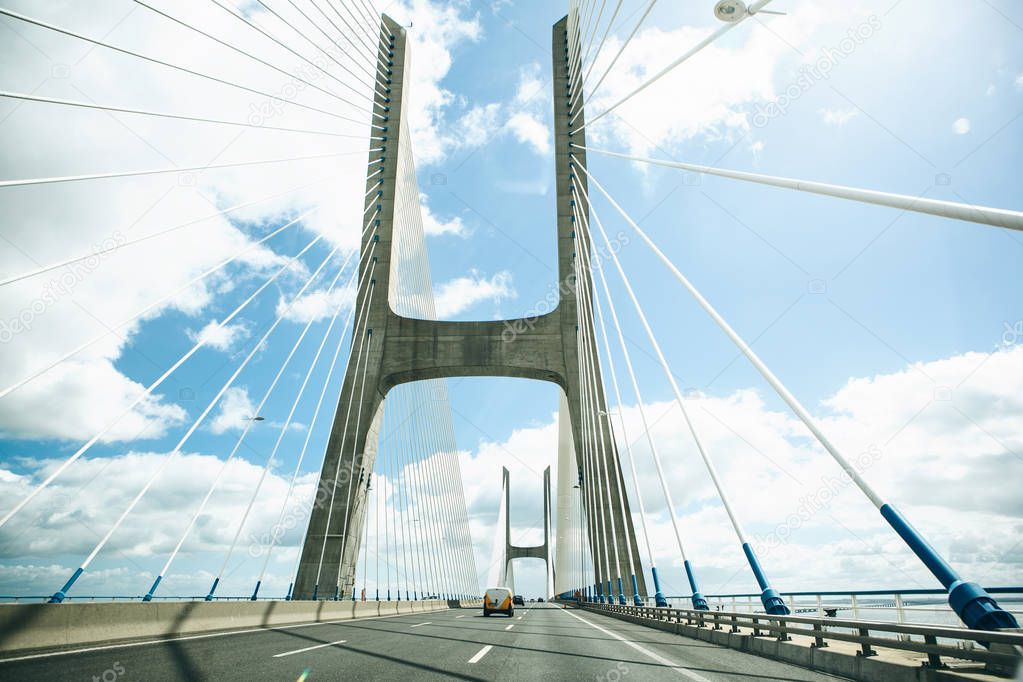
pixel 541 642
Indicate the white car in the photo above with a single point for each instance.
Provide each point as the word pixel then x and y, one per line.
pixel 498 599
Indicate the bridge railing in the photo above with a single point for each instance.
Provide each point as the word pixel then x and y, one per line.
pixel 1001 650
pixel 34 598
pixel 918 606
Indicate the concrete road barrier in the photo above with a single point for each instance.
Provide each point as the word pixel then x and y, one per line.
pixel 34 627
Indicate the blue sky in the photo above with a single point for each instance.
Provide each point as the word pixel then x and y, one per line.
pixel 867 313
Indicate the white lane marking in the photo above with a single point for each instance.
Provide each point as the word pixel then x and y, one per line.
pixel 419 625
pixel 520 617
pixel 167 640
pixel 462 616
pixel 310 648
pixel 481 653
pixel 510 626
pixel 643 650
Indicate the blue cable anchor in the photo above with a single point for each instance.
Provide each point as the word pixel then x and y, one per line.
pixel 152 590
pixel 699 602
pixel 635 592
pixel 772 601
pixel 213 588
pixel 59 595
pixel 659 599
pixel 977 609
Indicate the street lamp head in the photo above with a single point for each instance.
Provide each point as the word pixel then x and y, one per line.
pixel 730 11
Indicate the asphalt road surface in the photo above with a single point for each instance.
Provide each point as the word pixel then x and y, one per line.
pixel 541 641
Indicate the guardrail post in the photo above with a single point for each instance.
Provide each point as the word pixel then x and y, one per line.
pixel 735 623
pixel 756 628
pixel 783 632
pixel 933 660
pixel 900 613
pixel 865 649
pixel 818 635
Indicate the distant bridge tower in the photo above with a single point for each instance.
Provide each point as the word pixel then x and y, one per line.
pixel 396 349
pixel 504 552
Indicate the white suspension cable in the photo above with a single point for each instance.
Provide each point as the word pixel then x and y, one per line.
pixel 625 434
pixel 302 34
pixel 753 9
pixel 593 90
pixel 287 422
pixel 775 383
pixel 100 43
pixel 179 117
pixel 149 389
pixel 973 213
pixel 662 361
pixel 59 595
pixel 600 46
pixel 368 333
pixel 587 355
pixel 338 46
pixel 359 324
pixel 358 107
pixel 358 51
pixel 230 457
pixel 665 490
pixel 277 41
pixel 157 171
pixel 367 44
pixel 586 266
pixel 107 250
pixel 277 533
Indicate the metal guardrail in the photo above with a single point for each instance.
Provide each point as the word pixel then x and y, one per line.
pixel 921 606
pixel 1006 647
pixel 17 599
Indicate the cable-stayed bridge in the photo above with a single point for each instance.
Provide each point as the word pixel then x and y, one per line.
pixel 385 579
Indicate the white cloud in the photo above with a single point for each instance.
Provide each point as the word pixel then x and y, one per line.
pixel 235 409
pixel 838 117
pixel 435 227
pixel 437 31
pixel 1019 81
pixel 479 125
pixel 316 305
pixel 529 130
pixel 219 337
pixel 78 399
pixel 991 89
pixel 66 521
pixel 944 462
pixel 53 314
pixel 458 295
pixel 721 84
pixel 961 126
